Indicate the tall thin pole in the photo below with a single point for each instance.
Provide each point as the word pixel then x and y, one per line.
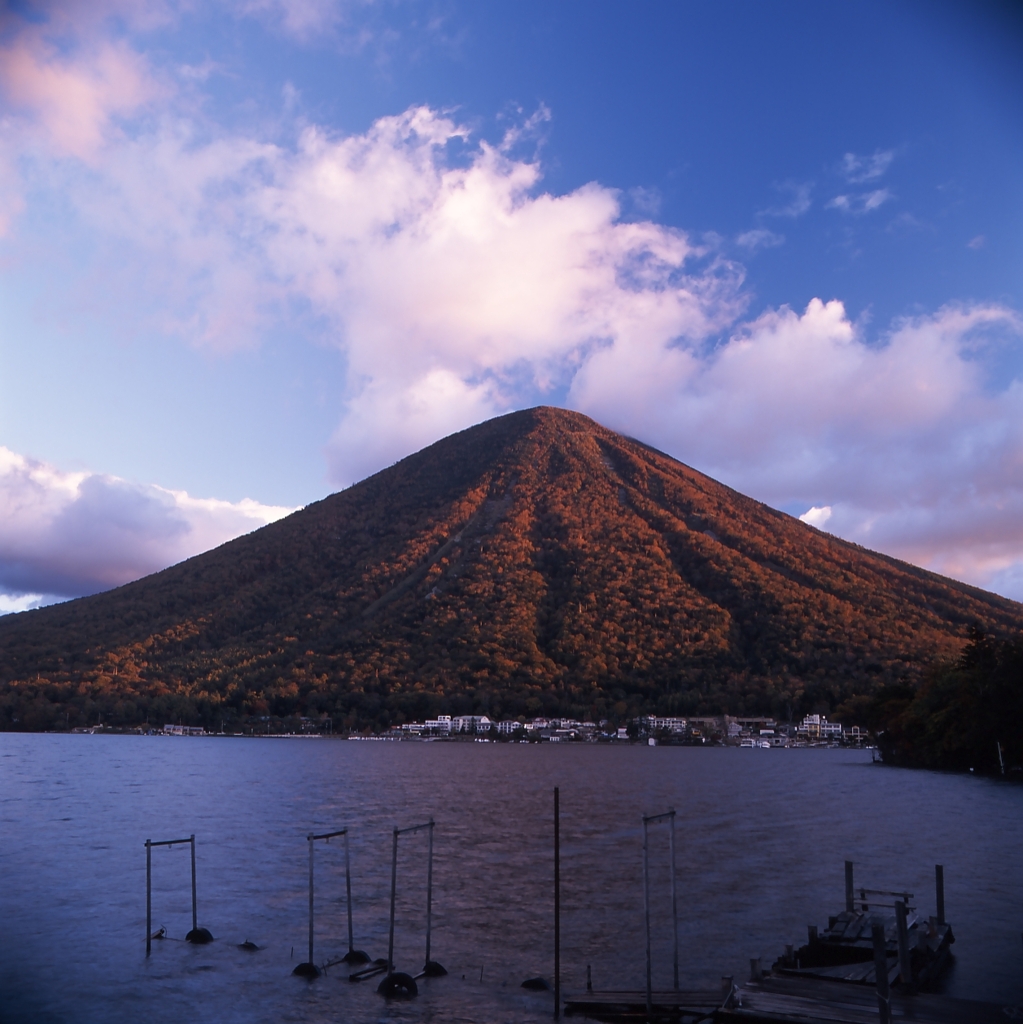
pixel 881 973
pixel 149 897
pixel 674 898
pixel 311 844
pixel 646 911
pixel 849 891
pixel 195 920
pixel 429 890
pixel 557 903
pixel 348 891
pixel 394 885
pixel 939 890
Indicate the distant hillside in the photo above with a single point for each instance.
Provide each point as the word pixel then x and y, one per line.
pixel 535 563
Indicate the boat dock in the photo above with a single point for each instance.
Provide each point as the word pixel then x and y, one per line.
pixel 781 1000
pixel 816 1001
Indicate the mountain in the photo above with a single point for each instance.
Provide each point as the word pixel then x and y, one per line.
pixel 536 563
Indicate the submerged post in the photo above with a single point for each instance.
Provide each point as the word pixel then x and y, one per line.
pixel 429 892
pixel 394 885
pixel 674 899
pixel 557 903
pixel 149 897
pixel 646 914
pixel 195 920
pixel 939 888
pixel 905 967
pixel 849 891
pixel 881 973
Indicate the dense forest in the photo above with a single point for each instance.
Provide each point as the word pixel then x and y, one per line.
pixel 964 714
pixel 534 564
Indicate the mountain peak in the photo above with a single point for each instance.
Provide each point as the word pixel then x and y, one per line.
pixel 535 563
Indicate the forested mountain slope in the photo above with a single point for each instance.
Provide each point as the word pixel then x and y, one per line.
pixel 534 563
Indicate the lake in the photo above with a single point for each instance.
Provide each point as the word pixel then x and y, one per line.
pixel 761 840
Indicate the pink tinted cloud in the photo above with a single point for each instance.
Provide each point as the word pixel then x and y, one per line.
pixel 69 79
pixel 67 534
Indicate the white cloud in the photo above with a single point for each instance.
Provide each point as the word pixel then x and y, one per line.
pixel 857 169
pixel 862 203
pixel 799 199
pixel 65 534
pixel 914 452
pixel 759 238
pixel 817 516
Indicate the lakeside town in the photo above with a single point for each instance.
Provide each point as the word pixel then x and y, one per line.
pixel 716 730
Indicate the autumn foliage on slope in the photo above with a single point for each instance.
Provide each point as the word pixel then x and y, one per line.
pixel 536 563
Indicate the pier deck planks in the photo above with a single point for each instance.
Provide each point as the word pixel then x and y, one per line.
pixel 821 1002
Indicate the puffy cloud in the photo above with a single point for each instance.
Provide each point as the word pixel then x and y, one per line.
pixel 817 516
pixel 66 534
pixel 912 448
pixel 69 79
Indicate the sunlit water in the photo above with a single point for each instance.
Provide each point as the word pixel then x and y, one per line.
pixel 761 840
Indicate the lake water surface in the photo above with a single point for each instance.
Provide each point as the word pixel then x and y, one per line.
pixel 761 840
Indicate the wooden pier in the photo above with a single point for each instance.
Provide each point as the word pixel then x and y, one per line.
pixel 670 1004
pixel 814 1001
pixel 775 1000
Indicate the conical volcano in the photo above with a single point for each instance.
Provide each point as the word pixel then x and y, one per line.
pixel 536 563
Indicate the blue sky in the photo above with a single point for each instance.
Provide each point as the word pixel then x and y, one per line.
pixel 254 250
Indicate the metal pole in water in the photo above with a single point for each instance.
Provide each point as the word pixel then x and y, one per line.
pixel 939 887
pixel 646 911
pixel 348 891
pixel 149 897
pixel 905 968
pixel 557 903
pixel 429 890
pixel 881 973
pixel 195 920
pixel 310 840
pixel 849 892
pixel 394 884
pixel 674 900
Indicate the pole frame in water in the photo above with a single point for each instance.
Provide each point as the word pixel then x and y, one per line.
pixel 394 888
pixel 648 819
pixel 557 903
pixel 311 839
pixel 149 844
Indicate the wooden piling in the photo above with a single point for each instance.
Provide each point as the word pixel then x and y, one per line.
pixel 939 891
pixel 881 973
pixel 557 903
pixel 849 891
